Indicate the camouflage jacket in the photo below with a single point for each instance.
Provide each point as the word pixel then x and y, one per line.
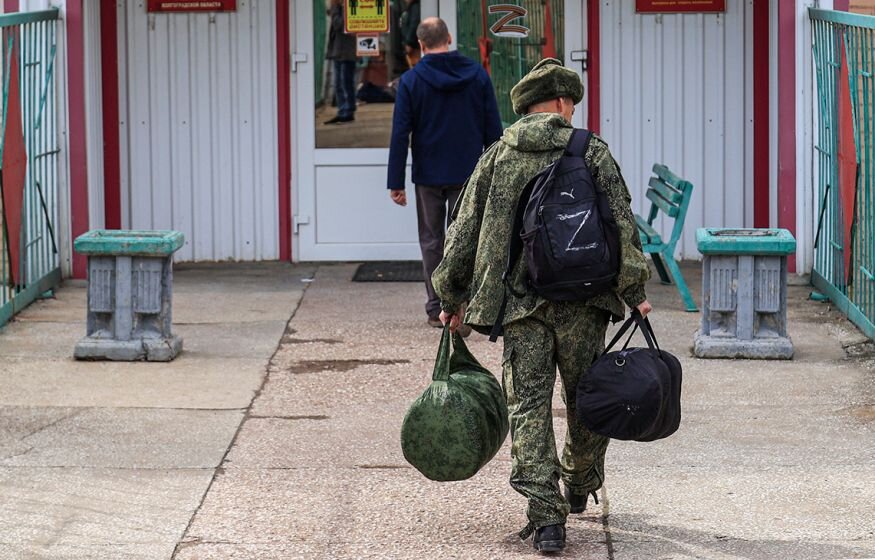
pixel 475 252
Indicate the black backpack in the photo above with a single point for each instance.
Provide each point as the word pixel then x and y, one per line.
pixel 633 393
pixel 568 232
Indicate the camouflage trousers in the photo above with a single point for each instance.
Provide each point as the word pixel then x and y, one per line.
pixel 569 335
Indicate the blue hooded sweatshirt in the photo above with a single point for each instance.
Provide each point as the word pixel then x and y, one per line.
pixel 447 102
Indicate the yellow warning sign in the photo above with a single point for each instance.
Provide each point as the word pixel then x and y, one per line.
pixel 367 16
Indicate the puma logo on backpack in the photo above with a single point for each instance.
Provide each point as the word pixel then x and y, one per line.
pixel 566 229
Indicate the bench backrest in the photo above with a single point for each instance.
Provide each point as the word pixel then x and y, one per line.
pixel 670 194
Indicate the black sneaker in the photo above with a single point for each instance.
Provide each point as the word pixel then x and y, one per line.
pixel 549 539
pixel 340 120
pixel 578 501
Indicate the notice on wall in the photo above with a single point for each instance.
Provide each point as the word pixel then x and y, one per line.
pixel 367 44
pixel 191 6
pixel 679 6
pixel 367 16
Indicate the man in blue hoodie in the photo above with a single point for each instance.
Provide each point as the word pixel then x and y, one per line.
pixel 446 106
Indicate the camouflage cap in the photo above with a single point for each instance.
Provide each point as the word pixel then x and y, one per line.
pixel 549 79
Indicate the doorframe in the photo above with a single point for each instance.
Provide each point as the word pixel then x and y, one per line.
pixel 593 74
pixel 284 127
pixel 576 34
pixel 305 157
pixel 581 24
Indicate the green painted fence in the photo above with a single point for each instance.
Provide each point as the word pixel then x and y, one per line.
pixel 511 57
pixel 30 38
pixel 844 271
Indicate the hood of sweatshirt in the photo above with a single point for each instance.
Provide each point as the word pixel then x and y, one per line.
pixel 447 71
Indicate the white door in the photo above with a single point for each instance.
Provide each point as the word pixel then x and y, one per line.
pixel 341 207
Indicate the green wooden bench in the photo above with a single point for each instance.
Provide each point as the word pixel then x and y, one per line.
pixel 669 194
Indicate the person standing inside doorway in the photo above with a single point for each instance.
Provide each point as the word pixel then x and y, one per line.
pixel 446 105
pixel 341 49
pixel 409 25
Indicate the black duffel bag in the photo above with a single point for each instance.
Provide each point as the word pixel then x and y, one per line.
pixel 633 393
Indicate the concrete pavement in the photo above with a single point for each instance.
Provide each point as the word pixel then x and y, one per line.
pixel 273 440
pixel 111 460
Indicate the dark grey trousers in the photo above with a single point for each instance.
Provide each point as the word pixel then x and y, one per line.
pixel 434 206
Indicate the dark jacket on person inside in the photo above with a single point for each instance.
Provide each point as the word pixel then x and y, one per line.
pixel 409 22
pixel 341 45
pixel 446 106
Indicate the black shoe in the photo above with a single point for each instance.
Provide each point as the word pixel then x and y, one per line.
pixel 550 538
pixel 340 120
pixel 578 501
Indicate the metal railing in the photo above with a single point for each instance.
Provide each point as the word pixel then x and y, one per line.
pixel 844 59
pixel 29 155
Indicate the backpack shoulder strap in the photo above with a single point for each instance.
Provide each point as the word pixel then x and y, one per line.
pixel 578 144
pixel 514 250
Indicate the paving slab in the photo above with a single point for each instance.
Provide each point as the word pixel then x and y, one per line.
pixel 92 551
pixel 772 503
pixel 187 382
pixel 301 441
pixel 329 392
pixel 196 306
pixel 67 305
pixel 18 423
pixel 139 438
pixel 56 510
pixel 39 339
pixel 269 551
pixel 230 340
pixel 370 505
pixel 753 436
pixel 582 544
pixel 675 548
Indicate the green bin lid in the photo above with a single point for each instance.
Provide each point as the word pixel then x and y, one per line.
pixel 129 243
pixel 745 241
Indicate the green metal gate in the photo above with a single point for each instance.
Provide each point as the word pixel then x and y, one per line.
pixel 845 239
pixel 33 267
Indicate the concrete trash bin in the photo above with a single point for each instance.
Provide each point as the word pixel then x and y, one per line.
pixel 744 293
pixel 130 288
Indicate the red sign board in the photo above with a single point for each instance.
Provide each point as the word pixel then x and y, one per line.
pixel 679 6
pixel 192 6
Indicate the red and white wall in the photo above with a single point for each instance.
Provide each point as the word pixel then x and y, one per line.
pixel 183 122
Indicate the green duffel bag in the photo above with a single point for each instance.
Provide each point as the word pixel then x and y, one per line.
pixel 459 423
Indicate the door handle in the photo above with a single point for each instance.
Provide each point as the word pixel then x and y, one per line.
pixel 297 58
pixel 582 57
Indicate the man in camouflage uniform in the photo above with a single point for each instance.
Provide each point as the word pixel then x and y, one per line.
pixel 539 335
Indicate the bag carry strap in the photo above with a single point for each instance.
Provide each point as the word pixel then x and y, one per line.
pixel 577 146
pixel 638 321
pixel 498 327
pixel 442 362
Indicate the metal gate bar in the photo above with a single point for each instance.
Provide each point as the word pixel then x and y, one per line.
pixel 839 36
pixel 31 38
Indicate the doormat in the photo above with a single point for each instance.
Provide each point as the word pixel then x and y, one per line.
pixel 389 271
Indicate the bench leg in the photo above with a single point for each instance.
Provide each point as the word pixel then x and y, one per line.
pixel 660 268
pixel 680 283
